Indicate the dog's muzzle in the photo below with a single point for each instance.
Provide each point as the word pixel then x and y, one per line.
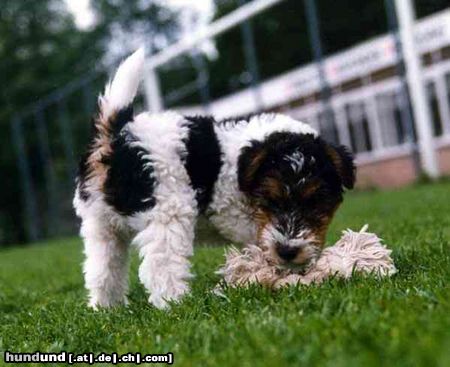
pixel 286 252
pixel 302 254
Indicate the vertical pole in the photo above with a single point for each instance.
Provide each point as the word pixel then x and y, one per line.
pixel 50 177
pixel 407 114
pixel 66 137
pixel 314 122
pixel 152 91
pixel 421 109
pixel 28 194
pixel 202 79
pixel 251 61
pixel 316 44
pixel 342 127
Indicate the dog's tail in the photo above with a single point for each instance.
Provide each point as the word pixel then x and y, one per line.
pixel 115 110
pixel 115 105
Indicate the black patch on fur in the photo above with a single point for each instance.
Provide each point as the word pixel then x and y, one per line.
pixel 203 160
pixel 325 171
pixel 347 169
pixel 129 185
pixel 116 123
pixel 121 118
pixel 281 144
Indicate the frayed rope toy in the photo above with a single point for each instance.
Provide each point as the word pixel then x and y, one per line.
pixel 355 252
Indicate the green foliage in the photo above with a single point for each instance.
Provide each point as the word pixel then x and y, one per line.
pixel 38 43
pixel 41 50
pixel 402 321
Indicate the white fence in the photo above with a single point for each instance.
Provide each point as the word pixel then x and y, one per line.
pixel 369 118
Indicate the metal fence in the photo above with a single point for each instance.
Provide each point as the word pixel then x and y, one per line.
pixel 44 136
pixel 374 118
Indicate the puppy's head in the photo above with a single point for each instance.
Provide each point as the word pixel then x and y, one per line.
pixel 294 183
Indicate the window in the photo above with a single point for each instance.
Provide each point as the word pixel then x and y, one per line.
pixel 327 126
pixel 394 118
pixel 434 109
pixel 358 127
pixel 400 106
pixel 447 84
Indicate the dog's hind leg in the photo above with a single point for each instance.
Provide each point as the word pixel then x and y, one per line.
pixel 165 246
pixel 106 264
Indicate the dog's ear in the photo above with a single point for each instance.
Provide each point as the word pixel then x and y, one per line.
pixel 249 163
pixel 343 161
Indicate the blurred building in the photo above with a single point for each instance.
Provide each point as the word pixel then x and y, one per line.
pixel 368 102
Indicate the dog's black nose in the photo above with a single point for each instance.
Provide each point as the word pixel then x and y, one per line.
pixel 287 253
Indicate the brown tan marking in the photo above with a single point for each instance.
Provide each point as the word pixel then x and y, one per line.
pixel 273 188
pixel 253 166
pixel 262 219
pixel 311 187
pixel 321 230
pixel 100 148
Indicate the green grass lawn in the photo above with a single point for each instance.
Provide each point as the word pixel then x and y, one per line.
pixel 402 321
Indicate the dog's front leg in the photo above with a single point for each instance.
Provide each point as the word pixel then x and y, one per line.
pixel 165 247
pixel 106 264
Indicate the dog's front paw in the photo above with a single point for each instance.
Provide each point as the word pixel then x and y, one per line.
pixel 173 294
pixel 97 301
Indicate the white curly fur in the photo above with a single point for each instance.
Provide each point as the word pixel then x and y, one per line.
pixel 355 251
pixel 166 242
pixel 164 234
pixel 121 91
pixel 229 211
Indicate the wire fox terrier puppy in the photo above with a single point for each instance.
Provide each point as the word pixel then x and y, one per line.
pixel 145 179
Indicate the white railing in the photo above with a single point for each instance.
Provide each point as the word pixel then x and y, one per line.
pixel 240 15
pixel 430 34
